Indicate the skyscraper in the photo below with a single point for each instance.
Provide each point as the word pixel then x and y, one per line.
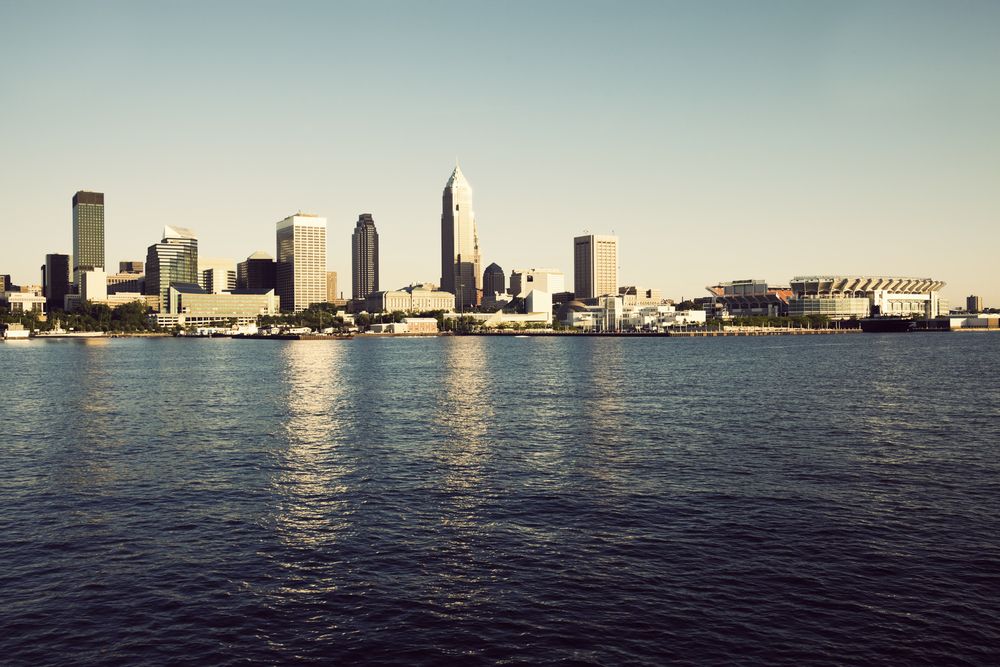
pixel 301 268
pixel 256 272
pixel 973 304
pixel 595 266
pixel 364 257
pixel 461 273
pixel 55 281
pixel 172 260
pixel 88 232
pixel 494 280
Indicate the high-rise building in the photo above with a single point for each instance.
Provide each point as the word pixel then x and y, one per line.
pixel 88 232
pixel 494 280
pixel 5 283
pixel 132 266
pixel 331 286
pixel 256 272
pixel 364 257
pixel 172 260
pixel 216 274
pixel 461 273
pixel 595 266
pixel 973 304
pixel 301 268
pixel 55 280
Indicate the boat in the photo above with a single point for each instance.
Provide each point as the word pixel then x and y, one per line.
pixel 16 331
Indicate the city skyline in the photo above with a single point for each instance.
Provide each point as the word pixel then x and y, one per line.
pixel 766 138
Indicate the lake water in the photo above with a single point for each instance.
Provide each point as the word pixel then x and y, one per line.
pixel 781 500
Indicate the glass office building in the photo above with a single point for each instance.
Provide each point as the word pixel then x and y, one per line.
pixel 172 260
pixel 88 232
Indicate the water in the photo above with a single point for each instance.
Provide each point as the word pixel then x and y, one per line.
pixel 794 500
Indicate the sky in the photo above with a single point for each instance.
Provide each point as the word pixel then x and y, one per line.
pixel 717 140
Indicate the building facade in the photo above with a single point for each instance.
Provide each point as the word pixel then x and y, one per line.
pixel 747 298
pixel 494 280
pixel 217 274
pixel 88 232
pixel 461 273
pixel 364 257
pixel 523 281
pixel 301 266
pixel 595 266
pixel 173 260
pixel 126 282
pixel 256 272
pixel 131 266
pixel 973 304
pixel 412 299
pixel 331 286
pixel 190 299
pixel 56 278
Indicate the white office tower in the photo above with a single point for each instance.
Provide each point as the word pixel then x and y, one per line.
pixel 461 273
pixel 595 266
pixel 301 268
pixel 217 274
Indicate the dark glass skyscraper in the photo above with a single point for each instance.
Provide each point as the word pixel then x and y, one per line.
pixel 494 280
pixel 172 260
pixel 55 281
pixel 364 264
pixel 88 232
pixel 256 272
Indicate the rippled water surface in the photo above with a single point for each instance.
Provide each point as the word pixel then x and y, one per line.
pixel 794 500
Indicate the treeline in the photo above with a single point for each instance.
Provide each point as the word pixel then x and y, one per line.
pixel 126 318
pixel 317 316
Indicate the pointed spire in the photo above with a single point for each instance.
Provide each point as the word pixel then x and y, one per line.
pixel 457 177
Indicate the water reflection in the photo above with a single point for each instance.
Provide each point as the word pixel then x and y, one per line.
pixel 603 412
pixel 312 469
pixel 83 465
pixel 463 412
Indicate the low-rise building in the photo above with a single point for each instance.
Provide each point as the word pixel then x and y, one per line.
pixel 611 313
pixel 23 302
pixel 412 299
pixel 191 305
pixel 126 281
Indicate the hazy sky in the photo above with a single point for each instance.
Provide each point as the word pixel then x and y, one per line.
pixel 717 140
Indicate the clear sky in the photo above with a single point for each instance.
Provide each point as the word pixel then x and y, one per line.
pixel 718 140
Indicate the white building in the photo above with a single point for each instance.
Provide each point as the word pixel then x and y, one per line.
pixel 522 281
pixel 217 274
pixel 595 266
pixel 301 268
pixel 842 297
pixel 93 285
pixel 413 299
pixel 23 302
pixel 612 313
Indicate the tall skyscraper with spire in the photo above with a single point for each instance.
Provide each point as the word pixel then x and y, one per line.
pixel 364 257
pixel 461 273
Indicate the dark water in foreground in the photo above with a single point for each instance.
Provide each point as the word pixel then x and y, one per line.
pixel 828 500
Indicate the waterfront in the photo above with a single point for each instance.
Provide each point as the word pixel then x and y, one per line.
pixel 486 499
